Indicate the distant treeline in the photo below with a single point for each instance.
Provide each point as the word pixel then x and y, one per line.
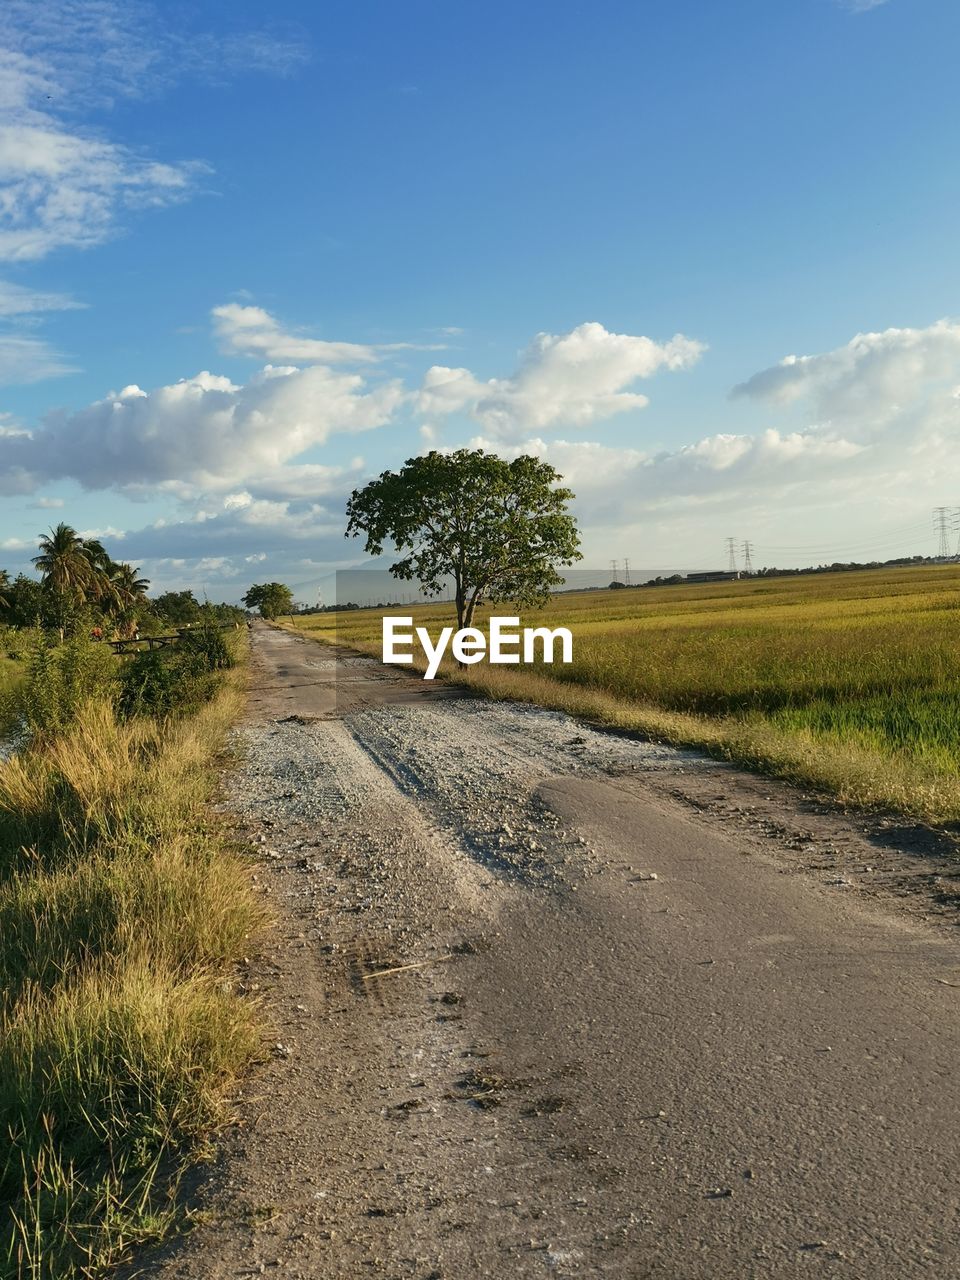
pixel 81 588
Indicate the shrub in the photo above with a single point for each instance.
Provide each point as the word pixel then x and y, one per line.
pixel 176 680
pixel 208 646
pixel 60 679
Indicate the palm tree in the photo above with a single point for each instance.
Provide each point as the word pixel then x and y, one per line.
pixel 127 586
pixel 101 587
pixel 63 563
pixel 65 569
pixel 127 592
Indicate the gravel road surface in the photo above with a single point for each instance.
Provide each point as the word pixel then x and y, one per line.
pixel 546 1001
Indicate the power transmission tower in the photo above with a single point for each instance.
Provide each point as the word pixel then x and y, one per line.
pixel 731 555
pixel 626 572
pixel 613 570
pixel 942 519
pixel 747 561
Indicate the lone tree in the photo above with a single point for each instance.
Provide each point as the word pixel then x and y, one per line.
pixel 270 598
pixel 500 530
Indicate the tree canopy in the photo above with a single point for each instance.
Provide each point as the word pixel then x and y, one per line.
pixel 271 599
pixel 500 530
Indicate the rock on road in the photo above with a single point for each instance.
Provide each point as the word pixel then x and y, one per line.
pixel 664 1019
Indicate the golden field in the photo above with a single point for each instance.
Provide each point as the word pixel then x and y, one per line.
pixel 845 681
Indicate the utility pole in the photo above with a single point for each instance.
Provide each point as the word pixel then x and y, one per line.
pixel 747 561
pixel 731 555
pixel 942 520
pixel 626 572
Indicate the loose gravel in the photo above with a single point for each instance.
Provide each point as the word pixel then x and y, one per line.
pixel 472 768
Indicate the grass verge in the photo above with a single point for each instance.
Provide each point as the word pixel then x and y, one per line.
pixel 122 909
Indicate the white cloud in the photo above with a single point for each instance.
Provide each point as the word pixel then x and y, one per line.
pixel 48 504
pixel 25 359
pixel 60 188
pixel 99 50
pixel 879 423
pixel 204 432
pixel 575 378
pixel 615 485
pixel 871 380
pixel 250 331
pixel 882 416
pixel 17 300
pixel 63 185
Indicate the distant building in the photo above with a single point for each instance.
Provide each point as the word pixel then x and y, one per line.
pixel 718 576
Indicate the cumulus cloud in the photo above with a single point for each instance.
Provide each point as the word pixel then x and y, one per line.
pixel 216 543
pixel 575 378
pixel 872 379
pixel 201 432
pixel 251 331
pixel 880 415
pixel 247 330
pixel 614 484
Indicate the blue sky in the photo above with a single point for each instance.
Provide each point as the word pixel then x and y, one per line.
pixel 700 256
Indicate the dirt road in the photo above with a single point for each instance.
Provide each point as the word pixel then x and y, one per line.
pixel 668 1020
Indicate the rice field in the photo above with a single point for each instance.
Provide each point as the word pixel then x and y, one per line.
pixel 846 681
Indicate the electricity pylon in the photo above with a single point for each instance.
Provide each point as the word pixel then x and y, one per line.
pixel 942 520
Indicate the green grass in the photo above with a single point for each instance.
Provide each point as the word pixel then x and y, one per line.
pixel 11 675
pixel 122 910
pixel 10 672
pixel 849 681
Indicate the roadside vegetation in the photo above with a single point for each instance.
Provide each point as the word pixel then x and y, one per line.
pixel 849 682
pixel 123 909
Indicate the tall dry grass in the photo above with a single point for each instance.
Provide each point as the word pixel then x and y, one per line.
pixel 121 911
